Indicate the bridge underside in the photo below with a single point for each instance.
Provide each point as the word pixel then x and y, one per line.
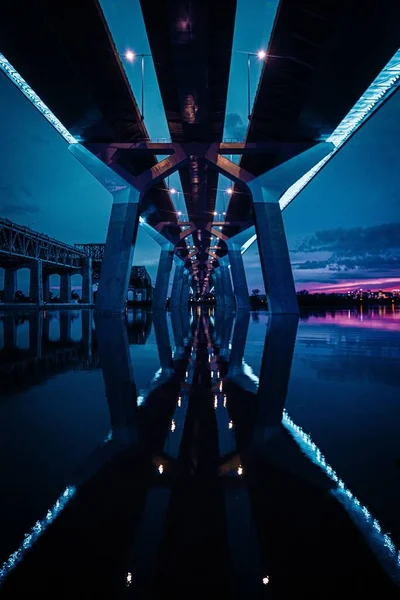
pixel 318 65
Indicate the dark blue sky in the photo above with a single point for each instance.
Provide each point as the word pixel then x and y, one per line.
pixel 43 186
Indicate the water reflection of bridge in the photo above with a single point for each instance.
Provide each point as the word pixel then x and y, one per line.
pixel 205 465
pixel 48 352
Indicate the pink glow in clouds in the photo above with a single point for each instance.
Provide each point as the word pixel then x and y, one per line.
pixel 384 283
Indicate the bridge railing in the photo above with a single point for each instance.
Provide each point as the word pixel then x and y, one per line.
pixel 23 242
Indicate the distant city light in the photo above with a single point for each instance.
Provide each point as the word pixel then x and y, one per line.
pixel 265 580
pixel 130 55
pixel 261 54
pixel 240 470
pixel 161 469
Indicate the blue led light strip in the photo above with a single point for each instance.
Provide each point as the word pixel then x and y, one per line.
pixel 37 530
pixel 385 83
pixel 381 543
pixel 16 78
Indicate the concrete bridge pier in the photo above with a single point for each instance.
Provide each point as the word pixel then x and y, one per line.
pixel 219 288
pixel 65 287
pixel 177 328
pixel 9 332
pixel 238 343
pixel 10 284
pixel 163 341
pixel 87 285
pixel 46 286
pixel 36 334
pixel 65 326
pixel 238 276
pixel 177 286
pixel 36 282
pixel 184 296
pixel 229 300
pixel 163 275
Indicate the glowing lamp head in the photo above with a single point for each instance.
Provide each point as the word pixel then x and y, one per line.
pixel 130 55
pixel 229 191
pixel 215 213
pixel 179 213
pixel 173 191
pixel 261 54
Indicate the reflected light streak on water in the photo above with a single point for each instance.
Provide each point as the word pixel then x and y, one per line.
pixel 381 543
pixel 37 530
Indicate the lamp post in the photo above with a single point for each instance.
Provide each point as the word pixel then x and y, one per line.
pixel 130 57
pixel 261 54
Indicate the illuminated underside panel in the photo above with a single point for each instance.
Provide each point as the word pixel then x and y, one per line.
pixel 386 83
pixel 16 78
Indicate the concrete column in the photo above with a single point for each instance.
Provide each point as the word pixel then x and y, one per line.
pixel 118 254
pixel 219 288
pixel 177 286
pixel 238 277
pixel 65 326
pixel 87 284
pixel 65 287
pixel 184 297
pixel 35 334
pixel 274 257
pixel 238 343
pixel 162 339
pixel 163 275
pixel 36 283
pixel 10 284
pixel 177 330
pixel 46 286
pixel 229 300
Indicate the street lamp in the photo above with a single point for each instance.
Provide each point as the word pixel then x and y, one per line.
pixel 130 57
pixel 261 55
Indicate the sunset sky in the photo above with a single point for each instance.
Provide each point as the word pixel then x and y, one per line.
pixel 343 230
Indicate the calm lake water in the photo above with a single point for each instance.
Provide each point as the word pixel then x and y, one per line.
pixel 254 456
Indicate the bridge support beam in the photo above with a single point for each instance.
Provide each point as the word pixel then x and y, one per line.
pixel 163 275
pixel 274 252
pixel 184 297
pixel 65 287
pixel 238 276
pixel 229 301
pixel 10 284
pixel 126 191
pixel 36 283
pixel 177 286
pixel 87 285
pixel 46 286
pixel 219 288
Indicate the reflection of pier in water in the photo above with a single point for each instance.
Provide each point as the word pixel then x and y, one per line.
pixel 206 479
pixel 53 350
